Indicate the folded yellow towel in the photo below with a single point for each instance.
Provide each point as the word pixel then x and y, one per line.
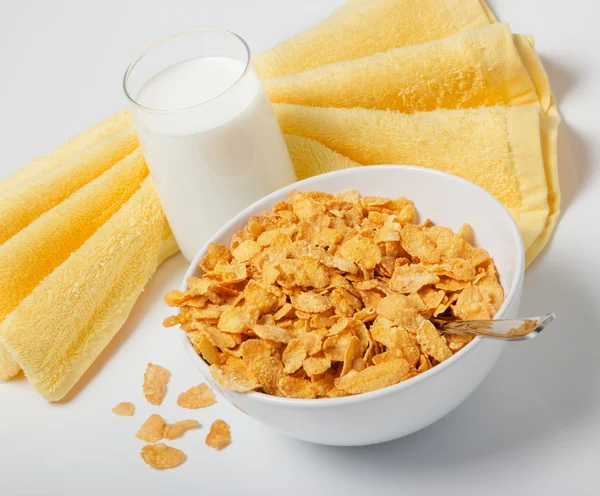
pixel 33 253
pixel 533 64
pixel 370 27
pixel 61 327
pixel 76 145
pixel 471 69
pixel 497 148
pixel 311 158
pixel 25 202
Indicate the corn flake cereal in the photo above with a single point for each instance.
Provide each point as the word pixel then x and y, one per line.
pixel 155 383
pixel 124 409
pixel 219 436
pixel 329 295
pixel 162 456
pixel 177 429
pixel 199 396
pixel 152 429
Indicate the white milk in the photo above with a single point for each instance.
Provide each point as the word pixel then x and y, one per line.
pixel 214 149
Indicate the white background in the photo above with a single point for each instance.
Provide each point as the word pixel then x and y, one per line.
pixel 533 427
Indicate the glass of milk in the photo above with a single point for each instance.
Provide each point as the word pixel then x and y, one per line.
pixel 207 130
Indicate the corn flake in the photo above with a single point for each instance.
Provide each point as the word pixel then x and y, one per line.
pixel 432 343
pixel 219 436
pixel 199 396
pixel 178 429
pixel 155 383
pixel 152 429
pixel 124 409
pixel 376 377
pixel 162 456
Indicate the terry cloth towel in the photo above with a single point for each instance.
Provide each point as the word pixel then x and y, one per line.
pixel 62 326
pixel 34 252
pixel 311 158
pixel 510 151
pixel 25 202
pixel 471 69
pixel 76 145
pixel 370 27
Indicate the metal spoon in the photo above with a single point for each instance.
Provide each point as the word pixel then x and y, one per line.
pixel 510 329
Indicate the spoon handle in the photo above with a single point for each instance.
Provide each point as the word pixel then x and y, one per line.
pixel 509 330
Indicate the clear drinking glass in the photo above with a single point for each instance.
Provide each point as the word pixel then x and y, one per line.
pixel 207 130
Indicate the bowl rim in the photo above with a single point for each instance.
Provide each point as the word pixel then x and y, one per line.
pixel 510 294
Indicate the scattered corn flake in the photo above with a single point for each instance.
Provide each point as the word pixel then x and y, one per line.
pixel 124 409
pixel 162 456
pixel 199 396
pixel 177 429
pixel 152 429
pixel 219 436
pixel 155 383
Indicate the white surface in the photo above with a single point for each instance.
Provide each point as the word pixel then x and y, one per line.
pixel 381 415
pixel 532 427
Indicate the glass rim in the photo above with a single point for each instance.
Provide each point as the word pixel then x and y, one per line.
pixel 147 50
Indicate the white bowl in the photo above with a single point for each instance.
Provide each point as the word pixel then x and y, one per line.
pixel 404 408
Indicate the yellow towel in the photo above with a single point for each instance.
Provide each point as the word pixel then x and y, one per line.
pixel 370 27
pixel 311 158
pixel 76 145
pixel 60 328
pixel 498 148
pixel 471 69
pixel 22 204
pixel 43 245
